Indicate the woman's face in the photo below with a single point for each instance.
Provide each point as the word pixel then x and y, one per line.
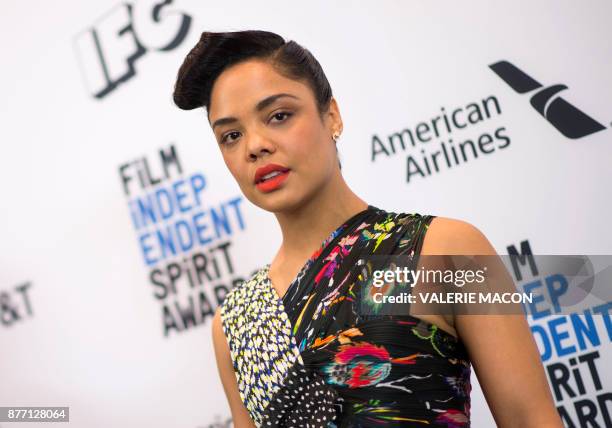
pixel 256 126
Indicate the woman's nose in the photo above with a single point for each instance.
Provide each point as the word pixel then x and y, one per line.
pixel 257 145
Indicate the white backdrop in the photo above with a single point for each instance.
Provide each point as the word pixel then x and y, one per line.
pixel 86 87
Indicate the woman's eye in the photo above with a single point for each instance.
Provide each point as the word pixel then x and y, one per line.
pixel 225 140
pixel 230 137
pixel 281 115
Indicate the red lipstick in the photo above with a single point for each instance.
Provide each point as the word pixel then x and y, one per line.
pixel 274 175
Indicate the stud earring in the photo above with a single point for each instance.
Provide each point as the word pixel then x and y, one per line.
pixel 336 136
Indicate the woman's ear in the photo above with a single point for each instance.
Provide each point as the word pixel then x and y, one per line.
pixel 335 118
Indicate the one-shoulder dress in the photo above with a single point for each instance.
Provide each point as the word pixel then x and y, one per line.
pixel 313 358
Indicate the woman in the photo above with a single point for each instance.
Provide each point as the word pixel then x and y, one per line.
pixel 292 346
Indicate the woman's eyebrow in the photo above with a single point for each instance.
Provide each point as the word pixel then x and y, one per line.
pixel 258 107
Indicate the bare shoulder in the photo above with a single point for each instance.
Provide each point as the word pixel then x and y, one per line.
pixel 524 398
pixel 446 235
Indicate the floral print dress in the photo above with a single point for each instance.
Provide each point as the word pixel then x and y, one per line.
pixel 313 358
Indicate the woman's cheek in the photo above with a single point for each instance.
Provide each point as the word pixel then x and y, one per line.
pixel 235 170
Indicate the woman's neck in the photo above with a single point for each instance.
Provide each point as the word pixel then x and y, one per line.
pixel 304 229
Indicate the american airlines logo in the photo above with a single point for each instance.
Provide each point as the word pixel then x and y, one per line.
pixel 569 120
pixel 108 50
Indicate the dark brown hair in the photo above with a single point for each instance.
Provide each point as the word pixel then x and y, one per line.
pixel 215 52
